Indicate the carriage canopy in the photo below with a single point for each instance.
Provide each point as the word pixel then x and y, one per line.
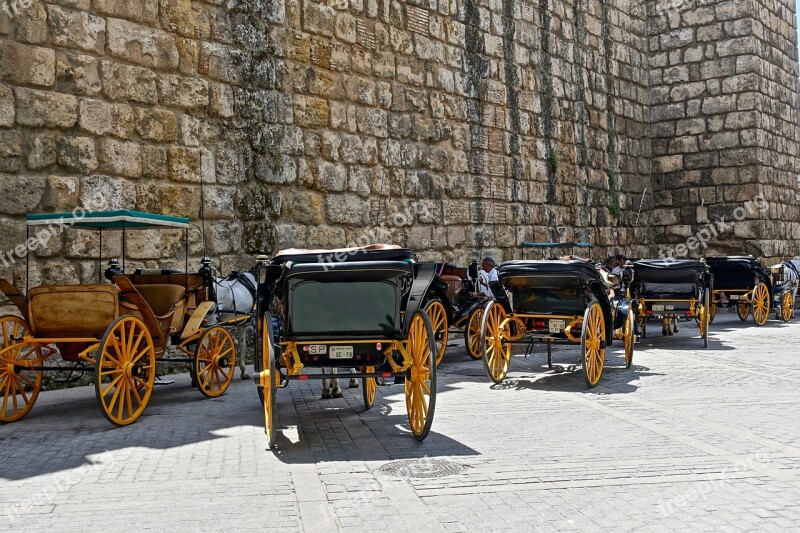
pixel 119 219
pixel 736 272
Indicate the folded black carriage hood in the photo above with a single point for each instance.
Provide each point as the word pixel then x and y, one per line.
pixel 337 256
pixel 580 269
pixel 669 270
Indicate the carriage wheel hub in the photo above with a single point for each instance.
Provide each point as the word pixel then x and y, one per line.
pixel 221 362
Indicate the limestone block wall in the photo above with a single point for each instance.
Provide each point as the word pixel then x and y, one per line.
pixel 117 105
pixel 461 128
pixel 724 122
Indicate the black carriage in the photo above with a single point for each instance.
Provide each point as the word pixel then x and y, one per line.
pixel 362 310
pixel 668 290
pixel 466 309
pixel 552 302
pixel 743 282
pixel 785 279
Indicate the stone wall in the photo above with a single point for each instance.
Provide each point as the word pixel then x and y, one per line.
pixel 459 128
pixel 724 112
pixel 462 127
pixel 124 104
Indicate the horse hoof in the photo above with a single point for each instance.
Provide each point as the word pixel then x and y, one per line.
pixel 338 394
pixel 664 332
pixel 353 385
pixel 245 376
pixel 326 396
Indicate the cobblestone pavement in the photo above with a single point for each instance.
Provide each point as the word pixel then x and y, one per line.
pixel 706 439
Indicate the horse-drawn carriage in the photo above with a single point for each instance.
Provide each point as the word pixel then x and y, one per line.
pixel 669 290
pixel 785 281
pixel 743 282
pixel 117 331
pixel 463 284
pixel 357 309
pixel 553 302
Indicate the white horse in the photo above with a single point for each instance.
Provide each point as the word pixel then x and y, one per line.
pixel 330 386
pixel 235 297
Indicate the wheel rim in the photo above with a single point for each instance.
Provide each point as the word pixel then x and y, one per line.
pixel 787 305
pixel 496 350
pixel 743 310
pixel 418 386
pixel 474 334
pixel 713 313
pixel 760 304
pixel 630 340
pixel 370 385
pixel 701 319
pixel 268 377
pixel 438 317
pixel 214 361
pixel 19 387
pixel 592 340
pixel 126 365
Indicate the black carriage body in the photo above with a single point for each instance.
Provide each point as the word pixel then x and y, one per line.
pixel 671 284
pixel 327 304
pixel 738 274
pixel 539 290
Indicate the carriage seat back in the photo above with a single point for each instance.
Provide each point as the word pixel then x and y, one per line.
pixel 62 311
pixel 454 285
pixel 167 303
pixel 193 283
pixel 683 291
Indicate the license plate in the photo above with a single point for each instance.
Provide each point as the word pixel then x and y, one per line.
pixel 317 349
pixel 657 308
pixel 557 326
pixel 341 352
pixel 734 297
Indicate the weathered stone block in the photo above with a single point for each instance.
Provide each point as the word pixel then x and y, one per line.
pixel 222 101
pixel 121 82
pixel 138 10
pixel 10 151
pixel 304 206
pixel 188 93
pixel 106 193
pixel 329 176
pixel 185 164
pixel 142 45
pixel 77 29
pixel 42 152
pixel 318 19
pixel 347 209
pixel 77 154
pixel 100 118
pixel 6 107
pixel 21 195
pixel 32 25
pixel 27 65
pixel 156 124
pixel 61 193
pixel 154 162
pixel 120 158
pixel 310 112
pixel 78 74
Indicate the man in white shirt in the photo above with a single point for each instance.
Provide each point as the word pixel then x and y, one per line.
pixel 487 275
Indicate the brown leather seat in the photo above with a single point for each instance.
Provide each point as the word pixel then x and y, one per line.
pixel 167 303
pixel 454 284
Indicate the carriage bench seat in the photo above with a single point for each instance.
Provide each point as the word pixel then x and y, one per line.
pixel 166 302
pixel 62 311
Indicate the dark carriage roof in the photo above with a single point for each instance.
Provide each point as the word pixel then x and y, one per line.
pixel 583 270
pixel 346 256
pixel 669 270
pixel 734 263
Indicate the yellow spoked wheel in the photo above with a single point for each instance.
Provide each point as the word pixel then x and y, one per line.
pixel 713 313
pixel 787 306
pixel 593 344
pixel 472 335
pixel 268 379
pixel 420 384
pixel 19 385
pixel 629 339
pixel 125 370
pixel 743 310
pixel 495 348
pixel 369 386
pixel 704 319
pixel 438 317
pixel 760 304
pixel 214 361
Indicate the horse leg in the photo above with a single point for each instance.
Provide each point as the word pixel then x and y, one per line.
pixel 675 325
pixel 336 391
pixel 353 381
pixel 243 340
pixel 326 387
